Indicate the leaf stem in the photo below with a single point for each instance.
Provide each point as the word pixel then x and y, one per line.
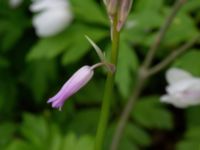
pixel 143 75
pixel 177 52
pixel 105 110
pixel 162 32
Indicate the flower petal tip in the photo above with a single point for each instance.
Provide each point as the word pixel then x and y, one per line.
pixel 50 100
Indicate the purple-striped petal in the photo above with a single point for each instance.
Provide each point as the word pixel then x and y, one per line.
pixel 75 83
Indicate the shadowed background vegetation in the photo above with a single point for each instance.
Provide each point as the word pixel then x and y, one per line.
pixel 32 69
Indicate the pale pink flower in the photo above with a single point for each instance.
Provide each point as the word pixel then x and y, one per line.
pixel 79 79
pixel 183 89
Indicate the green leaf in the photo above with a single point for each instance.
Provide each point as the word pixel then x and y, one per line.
pixel 55 138
pixel 134 137
pixel 71 142
pixel 192 6
pixel 72 42
pixel 91 93
pixel 32 127
pixel 8 93
pixel 190 140
pixel 188 60
pixel 41 72
pixel 4 63
pixel 7 131
pixel 182 29
pixel 20 145
pixel 150 113
pixel 12 27
pixel 85 121
pixel 39 133
pixel 52 46
pixel 138 135
pixel 188 145
pixel 192 116
pixel 85 143
pixel 127 144
pixel 193 133
pixel 127 64
pixel 143 5
pixel 127 141
pixel 140 25
pixel 89 11
pixel 80 46
pixel 11 37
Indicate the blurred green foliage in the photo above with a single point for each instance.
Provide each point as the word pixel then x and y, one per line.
pixel 32 69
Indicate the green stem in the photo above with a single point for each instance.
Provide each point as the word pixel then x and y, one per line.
pixel 175 53
pixel 105 110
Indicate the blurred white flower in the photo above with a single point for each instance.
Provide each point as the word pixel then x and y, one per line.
pixel 183 89
pixel 52 17
pixel 15 3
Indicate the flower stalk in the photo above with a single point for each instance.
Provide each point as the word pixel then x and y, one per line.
pixel 105 110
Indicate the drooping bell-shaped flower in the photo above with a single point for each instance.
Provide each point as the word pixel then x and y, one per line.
pixel 79 79
pixel 183 89
pixel 52 17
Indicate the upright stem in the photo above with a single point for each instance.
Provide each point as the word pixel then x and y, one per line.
pixel 105 110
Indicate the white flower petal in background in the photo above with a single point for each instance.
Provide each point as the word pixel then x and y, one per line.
pixel 183 89
pixel 15 3
pixel 41 5
pixel 52 17
pixel 49 23
pixel 175 75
